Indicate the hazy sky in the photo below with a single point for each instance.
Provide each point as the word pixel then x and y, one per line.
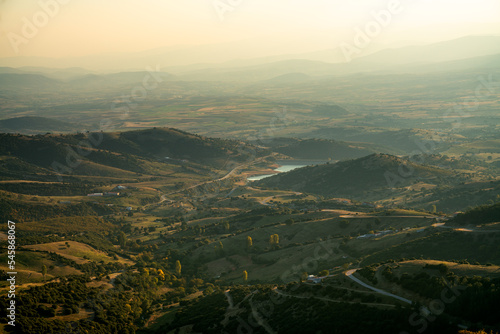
pixel 82 27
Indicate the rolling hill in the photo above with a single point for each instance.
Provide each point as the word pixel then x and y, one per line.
pixel 112 148
pixel 378 173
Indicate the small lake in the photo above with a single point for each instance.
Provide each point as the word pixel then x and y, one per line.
pixel 286 166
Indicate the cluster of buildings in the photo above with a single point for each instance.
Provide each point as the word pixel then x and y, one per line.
pixel 104 194
pixel 109 193
pixel 377 234
pixel 315 279
pixel 318 279
pixel 113 193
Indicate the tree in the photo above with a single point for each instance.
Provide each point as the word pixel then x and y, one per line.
pixel 144 272
pixel 324 273
pixel 44 271
pixel 245 275
pixel 219 249
pixel 122 239
pixel 274 239
pixel 249 242
pixel 208 290
pixel 161 274
pixel 434 209
pixel 196 282
pixel 178 267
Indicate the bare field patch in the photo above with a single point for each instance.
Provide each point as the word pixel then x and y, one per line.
pixel 78 252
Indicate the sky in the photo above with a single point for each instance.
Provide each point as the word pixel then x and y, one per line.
pixel 71 28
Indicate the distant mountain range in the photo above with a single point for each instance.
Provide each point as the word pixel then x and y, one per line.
pixel 460 54
pixel 461 48
pixel 12 79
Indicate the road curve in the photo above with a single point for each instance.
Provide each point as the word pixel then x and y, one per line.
pixel 350 273
pixel 265 200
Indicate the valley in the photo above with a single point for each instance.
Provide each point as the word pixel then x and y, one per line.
pixel 195 189
pixel 133 217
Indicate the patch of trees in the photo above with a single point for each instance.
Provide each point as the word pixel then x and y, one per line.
pixel 122 309
pixel 98 240
pixel 479 215
pixel 445 246
pixel 369 272
pixel 32 238
pixel 49 189
pixel 329 291
pixel 36 308
pixel 442 268
pixel 476 299
pixel 22 211
pixel 90 268
pixel 205 313
pixel 295 315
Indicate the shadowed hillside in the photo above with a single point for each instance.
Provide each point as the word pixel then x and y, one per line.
pixel 377 172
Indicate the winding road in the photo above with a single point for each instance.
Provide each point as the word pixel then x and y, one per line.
pixel 350 273
pixel 265 200
pixel 164 198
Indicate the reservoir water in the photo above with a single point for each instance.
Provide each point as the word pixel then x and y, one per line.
pixel 286 166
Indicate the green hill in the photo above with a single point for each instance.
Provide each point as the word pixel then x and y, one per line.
pixel 479 215
pixel 374 173
pixel 165 142
pixel 125 150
